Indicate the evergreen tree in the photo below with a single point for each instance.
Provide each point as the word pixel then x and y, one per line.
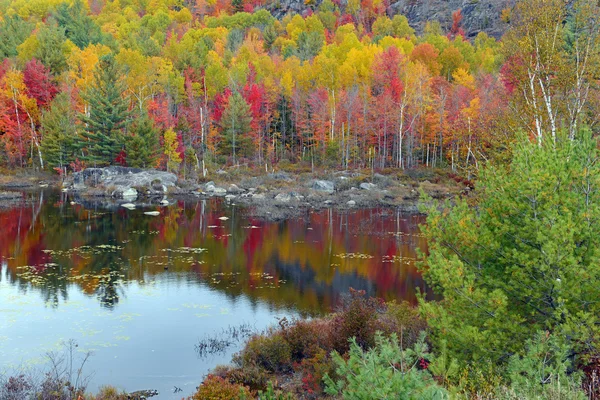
pixel 78 26
pixel 13 31
pixel 59 130
pixel 142 146
pixel 108 113
pixel 51 50
pixel 236 124
pixel 527 259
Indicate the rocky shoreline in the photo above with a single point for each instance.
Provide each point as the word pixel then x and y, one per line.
pixel 272 196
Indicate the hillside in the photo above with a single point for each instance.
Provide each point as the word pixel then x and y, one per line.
pixel 478 15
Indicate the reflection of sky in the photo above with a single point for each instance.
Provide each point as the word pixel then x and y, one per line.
pixel 147 342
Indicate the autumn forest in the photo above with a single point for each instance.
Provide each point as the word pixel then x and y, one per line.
pixel 191 85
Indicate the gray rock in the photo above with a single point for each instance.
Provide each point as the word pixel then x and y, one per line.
pixel 129 194
pixel 164 202
pixel 218 191
pixel 258 196
pixel 230 197
pixel 152 213
pixel 234 189
pixel 351 203
pixel 283 197
pixel 323 186
pixel 129 206
pixel 478 15
pixel 368 186
pixel 122 179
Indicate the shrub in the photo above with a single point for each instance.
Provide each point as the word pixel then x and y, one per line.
pixel 272 394
pixel 313 371
pixel 110 393
pixel 304 338
pixel 271 352
pixel 403 319
pixel 543 372
pixel 357 318
pixel 217 388
pixel 17 387
pixel 251 376
pixel 386 371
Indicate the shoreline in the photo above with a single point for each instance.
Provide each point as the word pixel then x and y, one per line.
pixel 271 196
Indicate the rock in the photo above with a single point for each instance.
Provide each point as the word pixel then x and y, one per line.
pixel 368 186
pixel 129 194
pixel 350 203
pixel 234 189
pixel 323 186
pixel 283 197
pixel 209 186
pixel 230 197
pixel 218 191
pixel 221 172
pixel 223 218
pixel 328 202
pixel 258 196
pixel 122 179
pixel 164 202
pixel 478 15
pixel 152 213
pixel 280 176
pixel 129 206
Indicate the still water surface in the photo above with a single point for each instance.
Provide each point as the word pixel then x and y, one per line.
pixel 140 291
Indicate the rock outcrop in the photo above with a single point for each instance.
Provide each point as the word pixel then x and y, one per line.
pixel 123 182
pixel 478 15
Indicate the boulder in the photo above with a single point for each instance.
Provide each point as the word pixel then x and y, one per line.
pixel 124 180
pixel 323 186
pixel 350 203
pixel 368 186
pixel 229 197
pixel 129 194
pixel 283 197
pixel 258 196
pixel 234 189
pixel 219 191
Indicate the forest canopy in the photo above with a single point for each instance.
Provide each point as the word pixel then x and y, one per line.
pixel 168 83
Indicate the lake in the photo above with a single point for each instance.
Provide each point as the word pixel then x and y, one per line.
pixel 142 292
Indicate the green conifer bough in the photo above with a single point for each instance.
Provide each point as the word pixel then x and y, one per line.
pixel 525 259
pixel 108 114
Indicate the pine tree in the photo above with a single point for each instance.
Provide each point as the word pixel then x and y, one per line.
pixel 142 145
pixel 236 122
pixel 60 133
pixel 525 260
pixel 108 113
pixel 78 26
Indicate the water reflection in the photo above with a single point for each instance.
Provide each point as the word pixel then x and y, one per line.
pixel 303 264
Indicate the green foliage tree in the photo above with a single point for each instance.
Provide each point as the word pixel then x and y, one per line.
pixel 108 113
pixel 544 371
pixel 384 372
pixel 526 259
pixel 78 26
pixel 13 31
pixel 51 49
pixel 236 121
pixel 309 45
pixel 142 145
pixel 59 130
